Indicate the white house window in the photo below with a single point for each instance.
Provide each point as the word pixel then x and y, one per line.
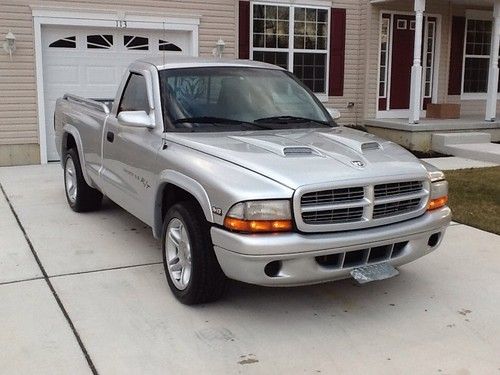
pixel 295 38
pixel 477 56
pixel 429 58
pixel 384 58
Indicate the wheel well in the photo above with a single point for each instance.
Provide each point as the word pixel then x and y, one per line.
pixel 173 194
pixel 68 142
pixel 169 195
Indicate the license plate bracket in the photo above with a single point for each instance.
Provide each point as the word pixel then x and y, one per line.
pixel 374 272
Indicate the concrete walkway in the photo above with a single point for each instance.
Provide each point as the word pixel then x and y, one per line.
pixel 97 301
pixel 453 163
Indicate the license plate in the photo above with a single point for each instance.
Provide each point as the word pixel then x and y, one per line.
pixel 374 272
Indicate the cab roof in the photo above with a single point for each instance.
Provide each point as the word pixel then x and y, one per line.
pixel 175 62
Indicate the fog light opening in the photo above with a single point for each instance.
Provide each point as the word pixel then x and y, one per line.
pixel 272 269
pixel 434 239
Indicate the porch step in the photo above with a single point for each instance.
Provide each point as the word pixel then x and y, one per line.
pixel 475 146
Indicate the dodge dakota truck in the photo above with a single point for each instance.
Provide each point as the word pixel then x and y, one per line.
pixel 243 174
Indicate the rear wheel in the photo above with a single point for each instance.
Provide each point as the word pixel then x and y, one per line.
pixel 80 196
pixel 192 270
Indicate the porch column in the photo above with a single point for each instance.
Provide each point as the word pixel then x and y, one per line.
pixel 416 70
pixel 491 100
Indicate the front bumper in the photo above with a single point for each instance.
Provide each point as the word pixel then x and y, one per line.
pixel 295 255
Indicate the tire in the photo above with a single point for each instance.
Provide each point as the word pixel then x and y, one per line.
pixel 193 272
pixel 80 196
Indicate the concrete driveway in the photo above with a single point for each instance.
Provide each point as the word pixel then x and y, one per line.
pixel 83 293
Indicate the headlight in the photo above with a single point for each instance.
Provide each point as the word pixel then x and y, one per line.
pixel 260 216
pixel 439 192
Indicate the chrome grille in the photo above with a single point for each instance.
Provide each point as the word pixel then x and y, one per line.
pixel 344 215
pixel 349 194
pixel 395 208
pixel 397 188
pixel 354 207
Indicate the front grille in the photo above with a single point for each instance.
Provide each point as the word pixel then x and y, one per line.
pixel 357 258
pixel 356 207
pixel 395 208
pixel 350 194
pixel 344 215
pixel 397 188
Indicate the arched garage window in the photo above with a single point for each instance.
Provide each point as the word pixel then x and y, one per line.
pixel 136 42
pixel 167 46
pixel 99 41
pixel 67 42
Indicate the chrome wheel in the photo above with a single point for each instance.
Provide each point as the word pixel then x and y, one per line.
pixel 178 254
pixel 70 180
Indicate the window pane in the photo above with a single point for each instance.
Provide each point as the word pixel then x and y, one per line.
pixel 299 42
pixel 322 15
pixel 135 95
pixel 258 11
pixel 275 58
pixel 476 75
pixel 270 21
pixel 478 37
pixel 310 68
pixel 300 14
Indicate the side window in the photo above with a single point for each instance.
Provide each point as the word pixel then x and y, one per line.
pixel 135 97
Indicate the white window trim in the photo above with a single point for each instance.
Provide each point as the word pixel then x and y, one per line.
pixel 43 15
pixel 480 15
pixel 322 96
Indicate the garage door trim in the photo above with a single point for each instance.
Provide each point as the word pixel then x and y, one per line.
pixel 88 18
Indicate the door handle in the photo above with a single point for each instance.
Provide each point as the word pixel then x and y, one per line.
pixel 110 136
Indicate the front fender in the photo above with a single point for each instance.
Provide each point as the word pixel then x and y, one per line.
pixel 186 183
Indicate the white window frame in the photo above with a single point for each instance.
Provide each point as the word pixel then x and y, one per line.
pixel 478 15
pixel 291 50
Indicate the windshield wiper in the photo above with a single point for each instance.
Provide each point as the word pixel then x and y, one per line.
pixel 217 120
pixel 289 120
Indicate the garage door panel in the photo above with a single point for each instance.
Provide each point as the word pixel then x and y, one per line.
pixel 61 75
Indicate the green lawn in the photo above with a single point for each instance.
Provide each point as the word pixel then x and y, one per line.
pixel 475 197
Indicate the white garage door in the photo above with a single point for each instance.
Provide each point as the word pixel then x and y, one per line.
pixel 90 62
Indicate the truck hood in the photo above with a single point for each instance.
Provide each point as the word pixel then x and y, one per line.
pixel 297 157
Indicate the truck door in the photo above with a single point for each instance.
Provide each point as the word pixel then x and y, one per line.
pixel 129 151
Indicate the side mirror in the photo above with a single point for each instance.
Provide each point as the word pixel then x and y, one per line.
pixel 335 113
pixel 136 119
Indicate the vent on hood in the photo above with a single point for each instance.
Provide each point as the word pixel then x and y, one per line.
pixel 289 151
pixel 370 146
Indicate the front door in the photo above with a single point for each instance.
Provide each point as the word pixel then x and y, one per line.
pixel 396 61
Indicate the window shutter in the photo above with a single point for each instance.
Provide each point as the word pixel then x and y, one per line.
pixel 244 30
pixel 337 52
pixel 456 56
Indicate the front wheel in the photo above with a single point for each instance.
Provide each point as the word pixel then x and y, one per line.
pixel 192 270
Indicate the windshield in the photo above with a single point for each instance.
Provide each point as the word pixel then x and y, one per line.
pixel 238 98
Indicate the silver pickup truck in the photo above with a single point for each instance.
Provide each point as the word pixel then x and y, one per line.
pixel 242 173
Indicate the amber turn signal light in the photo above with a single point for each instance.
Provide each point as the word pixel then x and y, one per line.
pixel 437 203
pixel 258 226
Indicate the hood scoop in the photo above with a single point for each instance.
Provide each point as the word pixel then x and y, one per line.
pixel 358 145
pixel 279 146
pixel 370 146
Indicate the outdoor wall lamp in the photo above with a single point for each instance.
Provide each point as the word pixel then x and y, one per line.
pixel 10 43
pixel 219 48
